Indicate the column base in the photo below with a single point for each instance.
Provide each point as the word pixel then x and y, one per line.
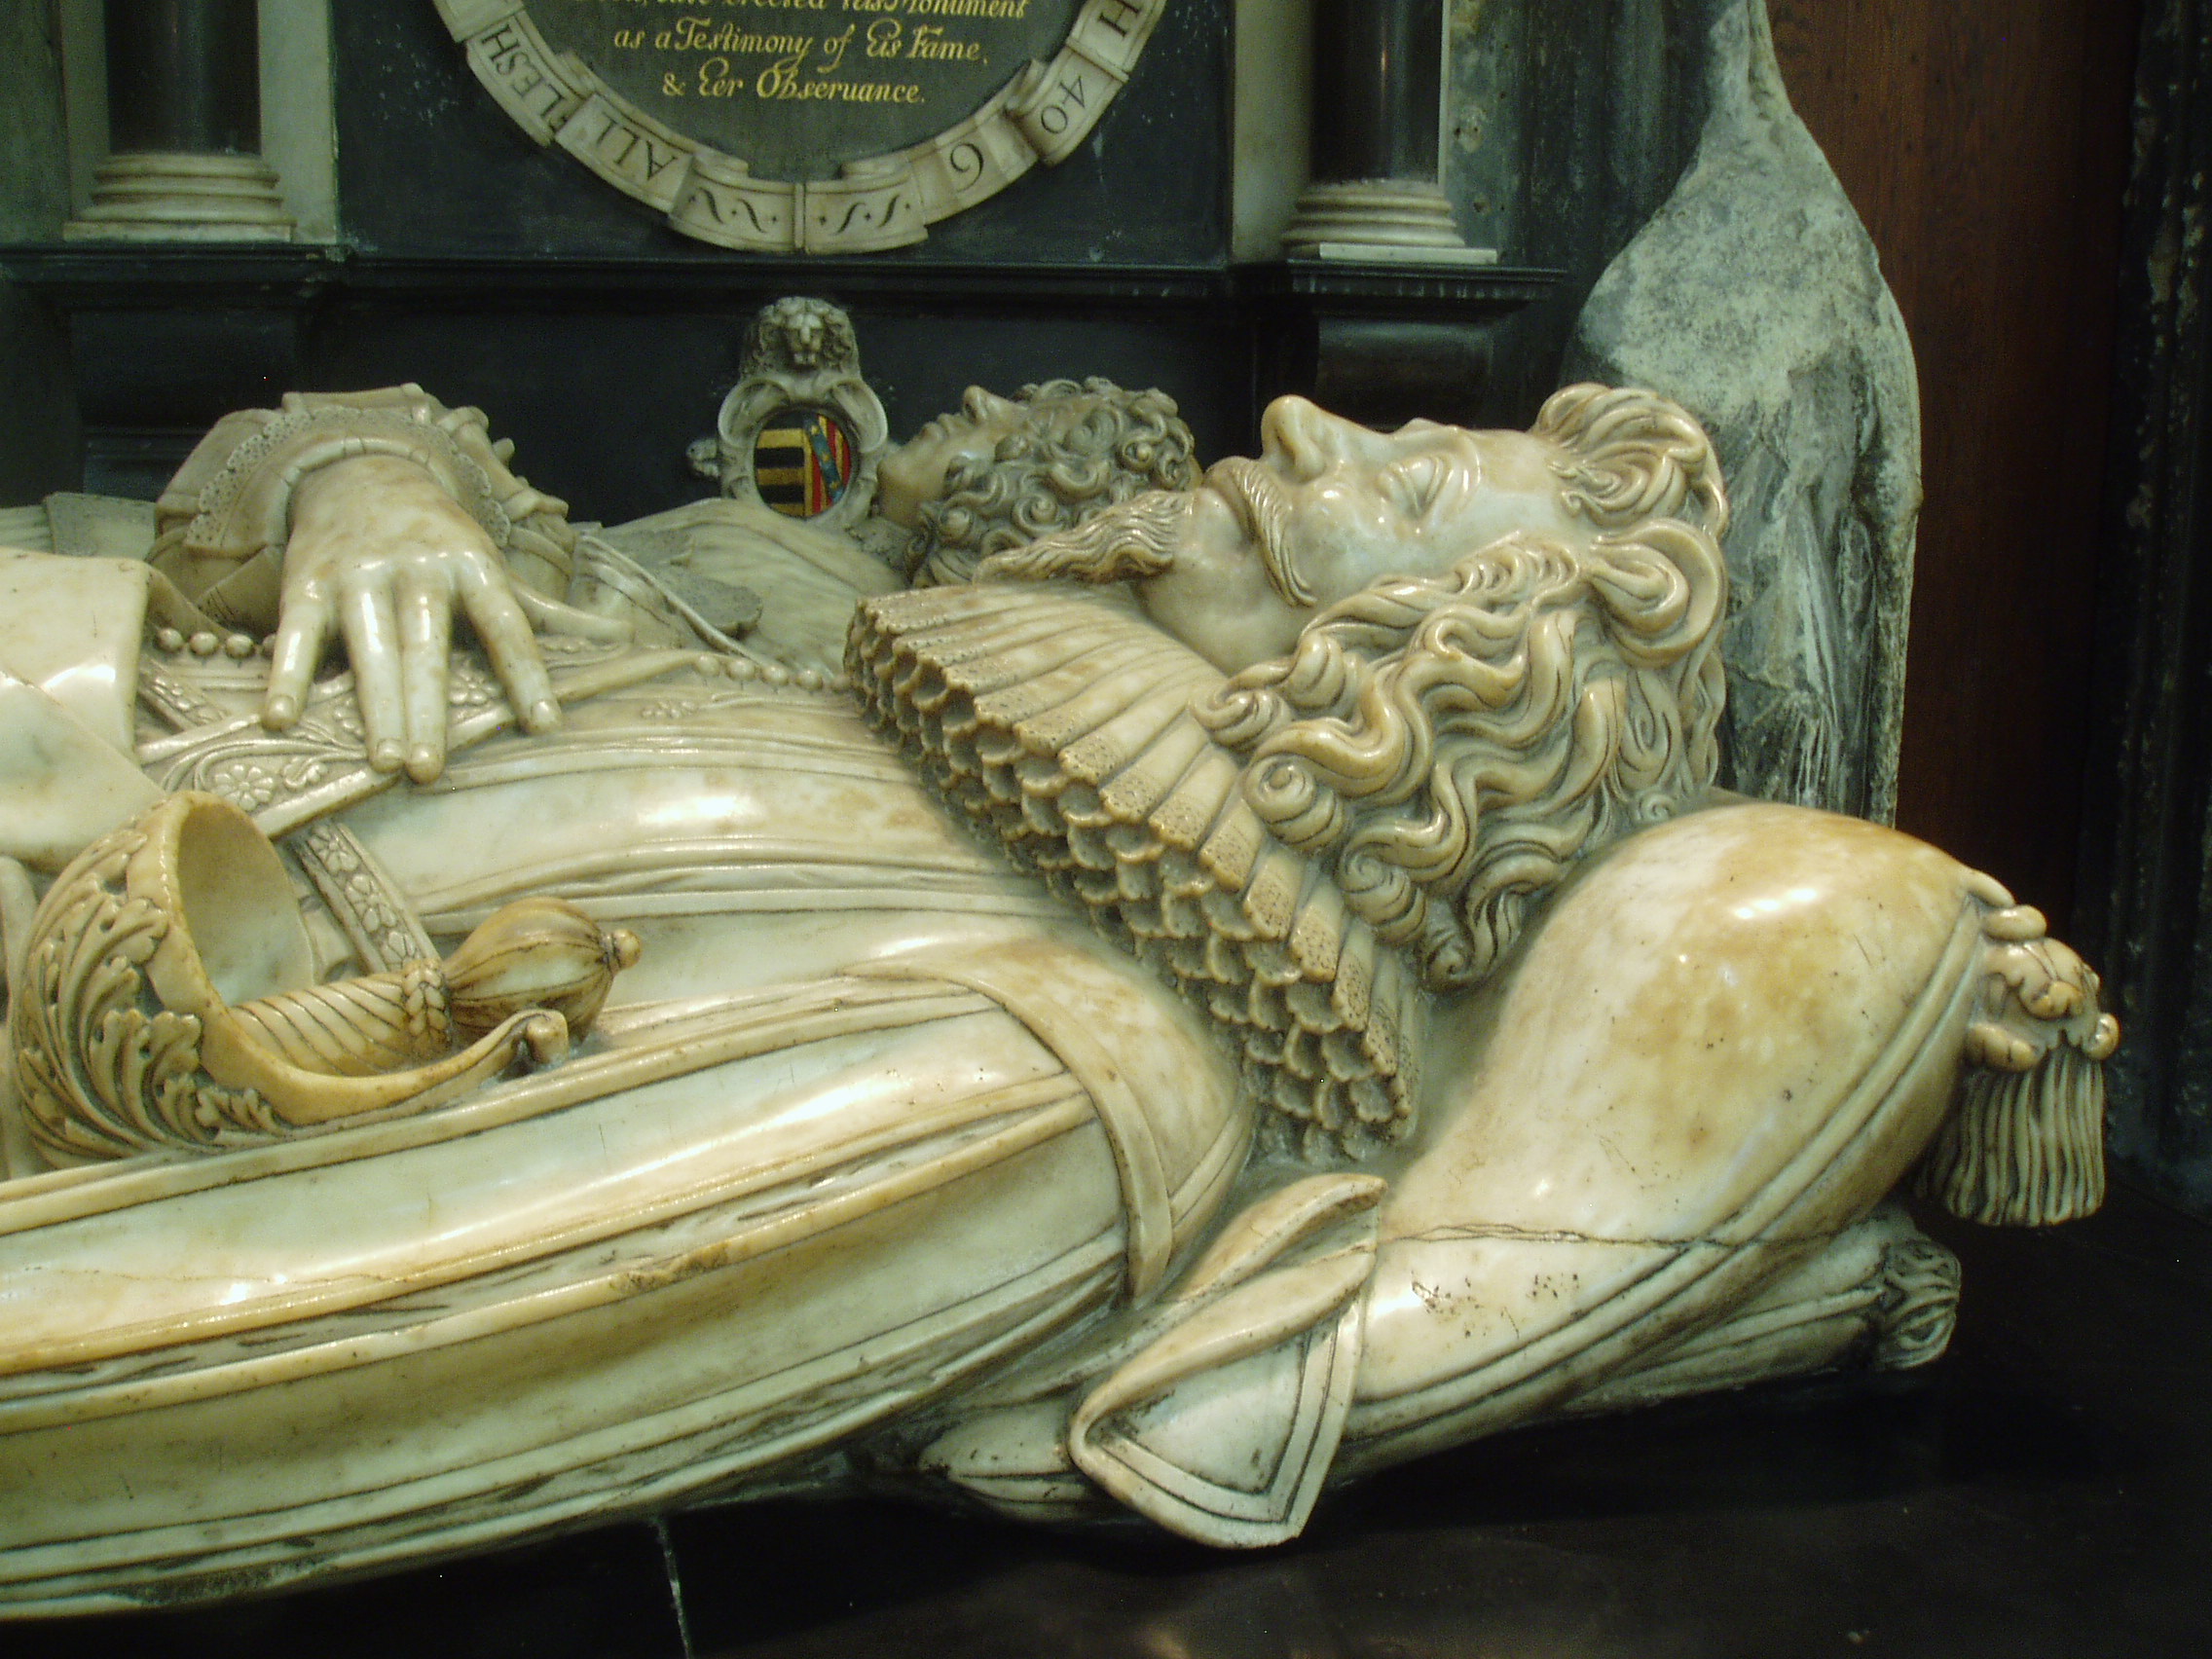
pixel 183 198
pixel 1390 212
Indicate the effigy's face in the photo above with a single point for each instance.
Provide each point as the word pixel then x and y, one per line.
pixel 1330 507
pixel 913 474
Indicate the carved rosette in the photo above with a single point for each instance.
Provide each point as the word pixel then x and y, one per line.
pixel 1042 114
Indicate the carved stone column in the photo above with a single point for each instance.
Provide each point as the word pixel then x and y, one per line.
pixel 184 127
pixel 1377 65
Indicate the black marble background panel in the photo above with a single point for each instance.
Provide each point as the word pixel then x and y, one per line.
pixel 427 162
pixel 602 403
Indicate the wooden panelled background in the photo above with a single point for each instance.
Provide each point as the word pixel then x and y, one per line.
pixel 1984 142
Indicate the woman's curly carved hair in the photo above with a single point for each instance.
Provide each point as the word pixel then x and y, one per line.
pixel 1088 447
pixel 1451 743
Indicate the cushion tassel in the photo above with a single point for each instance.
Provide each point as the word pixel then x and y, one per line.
pixel 2022 1149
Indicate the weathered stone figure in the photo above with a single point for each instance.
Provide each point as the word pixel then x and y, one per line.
pixel 1755 297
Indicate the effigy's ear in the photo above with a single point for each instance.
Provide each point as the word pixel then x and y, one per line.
pixel 1664 589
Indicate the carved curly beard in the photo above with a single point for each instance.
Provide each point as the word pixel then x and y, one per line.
pixel 1136 538
pixel 1451 745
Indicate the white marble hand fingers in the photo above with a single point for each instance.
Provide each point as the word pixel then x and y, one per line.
pixel 380 554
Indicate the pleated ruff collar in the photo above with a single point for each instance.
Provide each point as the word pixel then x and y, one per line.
pixel 1059 722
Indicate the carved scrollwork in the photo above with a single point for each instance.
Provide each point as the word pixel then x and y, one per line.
pixel 105 1070
pixel 166 1000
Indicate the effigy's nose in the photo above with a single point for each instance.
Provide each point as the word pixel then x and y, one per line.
pixel 1301 435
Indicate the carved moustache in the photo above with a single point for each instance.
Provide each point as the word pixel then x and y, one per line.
pixel 1254 493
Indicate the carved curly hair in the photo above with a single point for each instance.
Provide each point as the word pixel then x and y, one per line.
pixel 1626 455
pixel 1087 448
pixel 1454 743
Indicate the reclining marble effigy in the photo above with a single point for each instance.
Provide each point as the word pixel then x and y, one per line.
pixel 1246 989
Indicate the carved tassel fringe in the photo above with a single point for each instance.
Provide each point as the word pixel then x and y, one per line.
pixel 2023 1147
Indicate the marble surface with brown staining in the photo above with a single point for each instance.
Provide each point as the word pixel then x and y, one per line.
pixel 1255 986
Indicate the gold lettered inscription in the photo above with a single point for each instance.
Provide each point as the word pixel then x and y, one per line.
pixel 806 125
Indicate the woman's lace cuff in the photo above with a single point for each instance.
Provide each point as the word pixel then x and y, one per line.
pixel 224 520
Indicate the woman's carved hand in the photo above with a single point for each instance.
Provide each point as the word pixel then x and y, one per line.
pixel 380 554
